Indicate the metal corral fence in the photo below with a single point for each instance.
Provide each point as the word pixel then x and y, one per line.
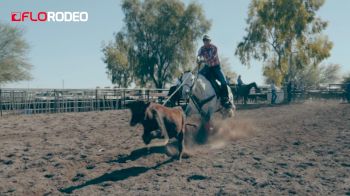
pixel 329 91
pixel 36 101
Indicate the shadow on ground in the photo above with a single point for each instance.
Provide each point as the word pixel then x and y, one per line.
pixel 255 106
pixel 126 173
pixel 139 153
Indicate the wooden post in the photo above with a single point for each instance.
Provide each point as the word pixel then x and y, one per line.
pixel 55 101
pixel 13 101
pixel 124 99
pixel 285 92
pixel 0 102
pixel 147 95
pixel 116 100
pixel 96 94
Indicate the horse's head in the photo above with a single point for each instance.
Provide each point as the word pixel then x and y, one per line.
pixel 255 86
pixel 188 80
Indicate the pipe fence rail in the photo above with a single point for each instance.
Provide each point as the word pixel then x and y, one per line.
pixel 36 101
pixel 327 92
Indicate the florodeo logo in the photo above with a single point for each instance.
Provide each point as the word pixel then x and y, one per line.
pixel 49 16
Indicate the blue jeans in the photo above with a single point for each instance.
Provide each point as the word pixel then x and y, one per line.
pixel 273 96
pixel 216 73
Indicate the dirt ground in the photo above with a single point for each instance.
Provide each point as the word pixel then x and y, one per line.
pixel 299 149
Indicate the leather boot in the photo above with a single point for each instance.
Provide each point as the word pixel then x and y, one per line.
pixel 225 101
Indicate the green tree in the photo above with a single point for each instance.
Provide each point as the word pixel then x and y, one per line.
pixel 14 65
pixel 271 73
pixel 346 78
pixel 286 34
pixel 119 66
pixel 161 39
pixel 307 77
pixel 227 69
pixel 329 73
pixel 314 76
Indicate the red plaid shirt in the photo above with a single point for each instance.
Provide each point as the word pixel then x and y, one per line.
pixel 210 54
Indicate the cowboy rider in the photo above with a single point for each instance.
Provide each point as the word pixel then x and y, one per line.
pixel 239 81
pixel 209 53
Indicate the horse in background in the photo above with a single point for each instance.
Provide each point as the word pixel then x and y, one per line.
pixel 244 90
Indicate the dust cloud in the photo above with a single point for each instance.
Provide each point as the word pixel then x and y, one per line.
pixel 215 133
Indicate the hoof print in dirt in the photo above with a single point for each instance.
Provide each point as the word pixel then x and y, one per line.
pixel 48 156
pixel 257 158
pixel 218 166
pixel 250 180
pixel 10 190
pixel 305 165
pixel 290 175
pixel 78 177
pixel 283 165
pixel 49 175
pixel 91 166
pixel 297 143
pixel 197 177
pixel 58 165
pixel 47 194
pixel 70 158
pixel 7 162
pixel 263 184
pixel 106 184
pixel 10 155
pixel 345 164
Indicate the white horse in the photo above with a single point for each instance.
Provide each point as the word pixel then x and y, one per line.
pixel 204 101
pixel 188 79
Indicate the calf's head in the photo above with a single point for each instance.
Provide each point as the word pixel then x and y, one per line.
pixel 138 109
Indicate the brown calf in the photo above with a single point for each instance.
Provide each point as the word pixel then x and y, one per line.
pixel 154 117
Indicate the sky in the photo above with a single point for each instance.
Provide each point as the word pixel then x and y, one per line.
pixel 69 54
